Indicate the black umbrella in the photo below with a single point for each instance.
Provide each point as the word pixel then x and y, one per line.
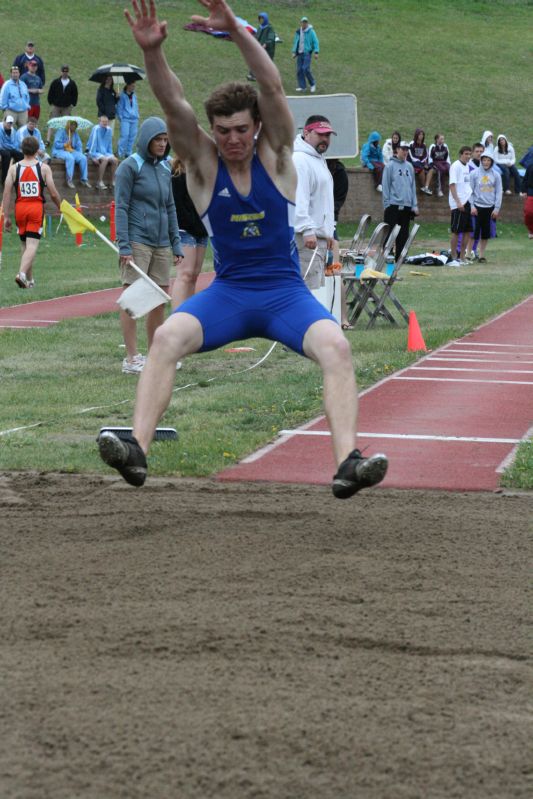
pixel 127 72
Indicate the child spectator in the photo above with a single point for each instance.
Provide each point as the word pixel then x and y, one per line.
pixel 100 151
pixel 372 157
pixel 418 155
pixel 390 146
pixel 486 184
pixel 439 165
pixel 505 159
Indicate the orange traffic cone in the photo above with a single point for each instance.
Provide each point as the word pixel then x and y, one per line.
pixel 415 339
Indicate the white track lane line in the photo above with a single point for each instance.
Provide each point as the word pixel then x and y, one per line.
pixel 479 360
pixel 483 352
pixel 485 344
pixel 491 369
pixel 407 436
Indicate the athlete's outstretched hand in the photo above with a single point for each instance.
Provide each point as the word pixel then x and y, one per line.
pixel 147 31
pixel 221 17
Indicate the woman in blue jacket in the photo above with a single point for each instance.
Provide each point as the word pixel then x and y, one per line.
pixel 128 113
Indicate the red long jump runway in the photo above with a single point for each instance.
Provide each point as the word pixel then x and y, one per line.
pixel 44 313
pixel 450 421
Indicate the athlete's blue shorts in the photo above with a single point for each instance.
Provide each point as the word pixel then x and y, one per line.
pixel 233 310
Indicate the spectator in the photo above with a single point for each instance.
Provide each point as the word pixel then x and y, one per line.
pixel 9 147
pixel 35 89
pixel 147 228
pixel 399 194
pixel 67 146
pixel 475 161
pixel 305 44
pixel 372 157
pixel 106 101
pixel 390 146
pixel 486 183
pixel 29 179
pixel 31 129
pixel 15 98
pixel 29 54
pixel 527 192
pixel 487 140
pixel 128 114
pixel 314 220
pixel 418 155
pixel 266 36
pixel 505 160
pixel 459 200
pixel 62 97
pixel 340 192
pixel 439 165
pixel 100 151
pixel 193 237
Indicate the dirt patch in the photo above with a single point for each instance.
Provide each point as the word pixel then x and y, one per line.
pixel 193 639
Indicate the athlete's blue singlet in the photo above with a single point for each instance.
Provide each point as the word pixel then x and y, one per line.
pixel 258 290
pixel 251 236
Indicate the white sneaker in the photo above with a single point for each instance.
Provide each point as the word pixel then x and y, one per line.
pixel 299 90
pixel 133 366
pixel 508 191
pixel 101 185
pixel 440 194
pixel 21 280
pixel 379 188
pixel 313 88
pixel 31 284
pixel 178 366
pixel 70 184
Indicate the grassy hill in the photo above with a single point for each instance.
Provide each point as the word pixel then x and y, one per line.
pixel 457 68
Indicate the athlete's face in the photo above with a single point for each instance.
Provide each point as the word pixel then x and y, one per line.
pixel 235 135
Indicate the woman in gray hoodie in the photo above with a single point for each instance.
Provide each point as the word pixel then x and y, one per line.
pixel 147 227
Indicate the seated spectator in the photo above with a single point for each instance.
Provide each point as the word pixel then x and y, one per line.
pixel 68 147
pixel 128 113
pixel 487 140
pixel 390 146
pixel 106 101
pixel 35 89
pixel 439 165
pixel 505 159
pixel 31 129
pixel 527 192
pixel 100 150
pixel 15 98
pixel 9 146
pixel 372 157
pixel 418 155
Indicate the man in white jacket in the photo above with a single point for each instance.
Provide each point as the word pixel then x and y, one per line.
pixel 314 221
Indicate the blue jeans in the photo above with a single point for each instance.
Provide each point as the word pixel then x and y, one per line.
pixel 507 171
pixel 303 70
pixel 128 132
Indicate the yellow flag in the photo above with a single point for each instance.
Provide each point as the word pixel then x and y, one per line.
pixel 76 221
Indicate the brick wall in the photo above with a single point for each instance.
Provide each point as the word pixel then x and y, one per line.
pixel 362 198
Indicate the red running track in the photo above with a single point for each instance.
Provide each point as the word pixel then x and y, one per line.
pixel 450 421
pixel 44 313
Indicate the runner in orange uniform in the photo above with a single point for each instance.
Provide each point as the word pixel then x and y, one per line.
pixel 29 179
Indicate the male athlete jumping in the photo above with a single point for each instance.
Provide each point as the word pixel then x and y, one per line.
pixel 242 181
pixel 29 178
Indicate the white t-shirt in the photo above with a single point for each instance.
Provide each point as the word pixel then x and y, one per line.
pixel 460 175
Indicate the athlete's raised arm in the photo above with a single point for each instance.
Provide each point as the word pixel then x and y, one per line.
pixel 187 138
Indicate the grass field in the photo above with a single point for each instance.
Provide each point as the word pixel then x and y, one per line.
pixel 64 382
pixel 455 67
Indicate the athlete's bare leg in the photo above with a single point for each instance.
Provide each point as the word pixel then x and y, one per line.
pixel 29 251
pixel 180 335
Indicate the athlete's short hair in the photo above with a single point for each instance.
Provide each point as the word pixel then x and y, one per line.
pixel 230 98
pixel 29 145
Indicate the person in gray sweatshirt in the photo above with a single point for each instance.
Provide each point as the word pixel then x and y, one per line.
pixel 147 227
pixel 486 183
pixel 399 194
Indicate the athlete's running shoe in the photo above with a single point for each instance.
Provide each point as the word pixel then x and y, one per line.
pixel 125 455
pixel 357 472
pixel 21 280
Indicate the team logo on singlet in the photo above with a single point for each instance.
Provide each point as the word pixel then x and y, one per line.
pixel 251 230
pixel 224 193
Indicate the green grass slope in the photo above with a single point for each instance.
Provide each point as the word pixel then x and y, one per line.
pixel 459 67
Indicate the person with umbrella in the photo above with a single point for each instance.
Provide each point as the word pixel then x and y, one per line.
pixel 128 114
pixel 68 147
pixel 106 100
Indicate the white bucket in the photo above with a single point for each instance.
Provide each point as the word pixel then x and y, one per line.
pixel 142 297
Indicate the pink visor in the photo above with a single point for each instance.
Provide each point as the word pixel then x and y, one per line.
pixel 320 127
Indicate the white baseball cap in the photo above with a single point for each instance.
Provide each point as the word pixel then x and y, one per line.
pixel 9 118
